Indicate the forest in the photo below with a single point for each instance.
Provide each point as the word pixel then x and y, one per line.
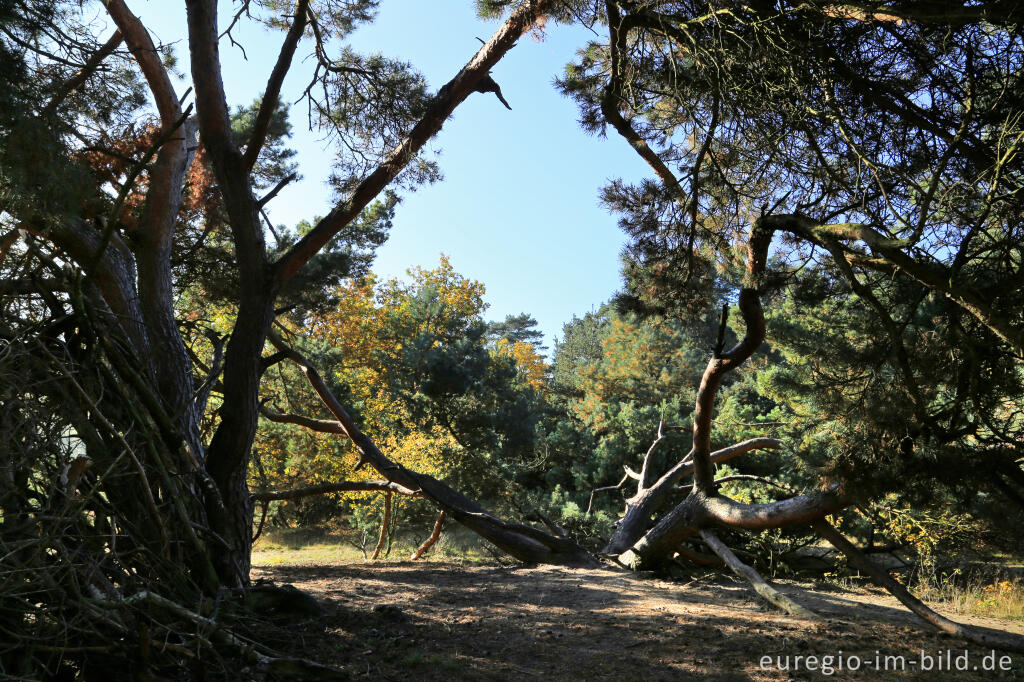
pixel 812 372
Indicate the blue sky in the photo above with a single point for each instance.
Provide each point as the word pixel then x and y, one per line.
pixel 517 209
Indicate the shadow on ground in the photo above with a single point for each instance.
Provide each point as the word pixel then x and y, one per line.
pixel 432 621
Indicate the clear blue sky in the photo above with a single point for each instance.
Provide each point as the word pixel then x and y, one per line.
pixel 517 209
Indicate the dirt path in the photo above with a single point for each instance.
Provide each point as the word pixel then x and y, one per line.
pixel 436 621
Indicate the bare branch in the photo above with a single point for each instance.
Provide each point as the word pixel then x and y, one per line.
pixel 321 425
pixel 439 109
pixel 741 477
pixel 277 188
pixel 435 534
pixel 272 94
pixel 618 486
pixel 383 526
pixel 203 394
pixel 338 487
pixel 754 578
pixel 90 66
pixel 646 472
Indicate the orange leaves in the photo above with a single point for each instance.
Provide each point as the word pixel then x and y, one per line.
pixel 529 363
pixel 356 326
pixel 368 334
pixel 113 166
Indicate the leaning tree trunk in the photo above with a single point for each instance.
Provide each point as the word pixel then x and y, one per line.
pixel 639 543
pixel 521 541
pixel 261 279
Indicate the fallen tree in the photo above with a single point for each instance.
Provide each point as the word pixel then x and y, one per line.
pixel 126 518
pixel 648 534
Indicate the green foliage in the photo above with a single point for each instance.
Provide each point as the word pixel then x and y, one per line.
pixel 618 378
pixel 886 372
pixel 521 328
pixel 889 414
pixel 427 382
pixel 276 161
pixel 579 346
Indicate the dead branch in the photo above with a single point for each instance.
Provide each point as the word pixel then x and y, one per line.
pixel 1001 640
pixel 320 425
pixel 249 651
pixel 647 501
pixel 746 572
pixel 646 473
pixel 741 477
pixel 618 486
pixel 339 487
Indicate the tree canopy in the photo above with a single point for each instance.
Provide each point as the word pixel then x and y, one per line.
pixel 824 275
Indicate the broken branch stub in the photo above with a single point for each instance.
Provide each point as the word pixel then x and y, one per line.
pixel 637 542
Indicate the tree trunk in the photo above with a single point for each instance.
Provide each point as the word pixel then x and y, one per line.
pixel 384 524
pixel 435 534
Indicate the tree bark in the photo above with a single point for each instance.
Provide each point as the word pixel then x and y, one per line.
pixel 768 592
pixel 340 487
pixel 229 450
pixel 384 524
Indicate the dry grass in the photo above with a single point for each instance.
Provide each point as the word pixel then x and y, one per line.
pixel 314 547
pixel 999 599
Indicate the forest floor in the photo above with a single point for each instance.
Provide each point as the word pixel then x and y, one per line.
pixel 451 621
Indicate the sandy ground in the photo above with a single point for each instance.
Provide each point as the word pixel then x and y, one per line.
pixel 437 621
